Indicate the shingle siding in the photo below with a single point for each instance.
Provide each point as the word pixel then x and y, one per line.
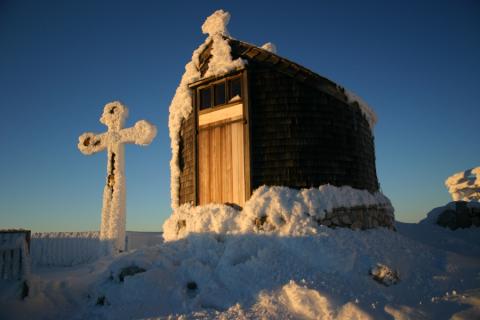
pixel 187 160
pixel 302 137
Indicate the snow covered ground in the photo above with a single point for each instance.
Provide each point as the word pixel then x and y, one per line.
pixel 269 275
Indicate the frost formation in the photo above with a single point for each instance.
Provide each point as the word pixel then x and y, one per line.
pixel 270 47
pixel 465 185
pixel 112 229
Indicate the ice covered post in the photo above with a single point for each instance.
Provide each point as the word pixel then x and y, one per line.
pixel 112 229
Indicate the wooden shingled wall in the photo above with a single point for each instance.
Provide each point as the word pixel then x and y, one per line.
pixel 187 160
pixel 303 133
pixel 302 137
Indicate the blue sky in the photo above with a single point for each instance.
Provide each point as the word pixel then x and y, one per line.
pixel 415 62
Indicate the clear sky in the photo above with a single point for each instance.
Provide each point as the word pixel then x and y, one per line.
pixel 415 62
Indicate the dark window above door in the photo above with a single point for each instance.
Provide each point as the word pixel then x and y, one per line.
pixel 225 91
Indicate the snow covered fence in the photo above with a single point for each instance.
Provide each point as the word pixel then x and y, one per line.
pixel 64 249
pixel 14 254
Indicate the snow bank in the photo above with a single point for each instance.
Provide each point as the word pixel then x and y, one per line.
pixel 181 106
pixel 464 185
pixel 268 276
pixel 255 276
pixel 280 210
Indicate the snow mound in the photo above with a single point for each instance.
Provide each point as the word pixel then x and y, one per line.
pixel 278 210
pixel 266 276
pixel 301 302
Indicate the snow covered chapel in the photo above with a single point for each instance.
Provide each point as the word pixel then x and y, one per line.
pixel 244 117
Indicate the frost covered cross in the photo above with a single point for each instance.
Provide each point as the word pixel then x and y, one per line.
pixel 112 229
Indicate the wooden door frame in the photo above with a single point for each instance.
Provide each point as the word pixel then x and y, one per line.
pixel 246 128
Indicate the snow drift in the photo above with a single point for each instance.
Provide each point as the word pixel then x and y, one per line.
pixel 256 275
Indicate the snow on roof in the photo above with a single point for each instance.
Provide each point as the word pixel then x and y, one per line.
pixel 270 47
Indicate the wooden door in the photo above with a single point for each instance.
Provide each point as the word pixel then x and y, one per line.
pixel 221 154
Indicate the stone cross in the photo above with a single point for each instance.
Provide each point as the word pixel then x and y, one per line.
pixel 112 229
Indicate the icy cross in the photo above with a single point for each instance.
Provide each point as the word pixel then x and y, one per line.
pixel 112 229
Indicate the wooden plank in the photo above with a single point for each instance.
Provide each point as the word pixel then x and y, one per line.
pixel 209 161
pixel 222 159
pixel 195 149
pixel 202 169
pixel 231 112
pixel 219 164
pixel 215 179
pixel 228 163
pixel 235 165
pixel 207 173
pixel 221 123
pixel 241 166
pixel 246 134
